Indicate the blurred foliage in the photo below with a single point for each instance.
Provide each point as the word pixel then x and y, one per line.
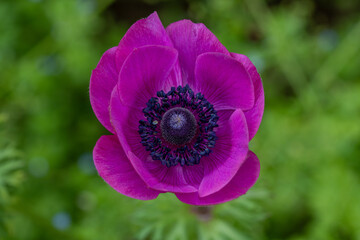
pixel 309 142
pixel 11 175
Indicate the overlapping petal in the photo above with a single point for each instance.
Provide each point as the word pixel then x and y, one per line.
pixel 253 115
pixel 244 179
pixel 191 40
pixel 229 153
pixel 157 176
pixel 224 81
pixel 103 79
pixel 115 168
pixel 145 72
pixel 147 31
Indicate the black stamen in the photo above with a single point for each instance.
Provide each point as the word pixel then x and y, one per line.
pixel 173 120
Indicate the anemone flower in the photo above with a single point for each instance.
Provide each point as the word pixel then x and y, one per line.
pixel 181 110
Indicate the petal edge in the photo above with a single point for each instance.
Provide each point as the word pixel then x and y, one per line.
pixel 255 114
pixel 191 40
pixel 244 179
pixel 102 81
pixel 224 82
pixel 228 154
pixel 115 168
pixel 146 71
pixel 146 31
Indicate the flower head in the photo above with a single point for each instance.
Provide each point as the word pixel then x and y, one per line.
pixel 182 111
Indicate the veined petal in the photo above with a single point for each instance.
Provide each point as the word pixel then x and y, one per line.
pixel 224 82
pixel 115 168
pixel 103 79
pixel 244 179
pixel 228 154
pixel 191 40
pixel 254 115
pixel 145 72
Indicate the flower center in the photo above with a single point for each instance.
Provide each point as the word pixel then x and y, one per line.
pixel 178 126
pixel 186 130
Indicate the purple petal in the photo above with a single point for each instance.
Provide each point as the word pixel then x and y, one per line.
pixel 147 31
pixel 174 179
pixel 244 179
pixel 191 40
pixel 254 115
pixel 103 79
pixel 167 179
pixel 145 72
pixel 115 168
pixel 224 81
pixel 228 154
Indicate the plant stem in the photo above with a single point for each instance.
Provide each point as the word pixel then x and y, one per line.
pixel 204 213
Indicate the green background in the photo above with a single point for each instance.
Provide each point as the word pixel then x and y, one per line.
pixel 308 54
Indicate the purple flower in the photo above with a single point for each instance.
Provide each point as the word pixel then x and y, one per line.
pixel 182 111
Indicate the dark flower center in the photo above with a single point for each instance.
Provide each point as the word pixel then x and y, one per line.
pixel 179 127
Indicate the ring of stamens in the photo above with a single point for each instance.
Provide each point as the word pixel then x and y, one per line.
pixel 179 127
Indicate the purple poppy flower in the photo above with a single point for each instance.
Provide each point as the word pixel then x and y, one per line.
pixel 182 111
